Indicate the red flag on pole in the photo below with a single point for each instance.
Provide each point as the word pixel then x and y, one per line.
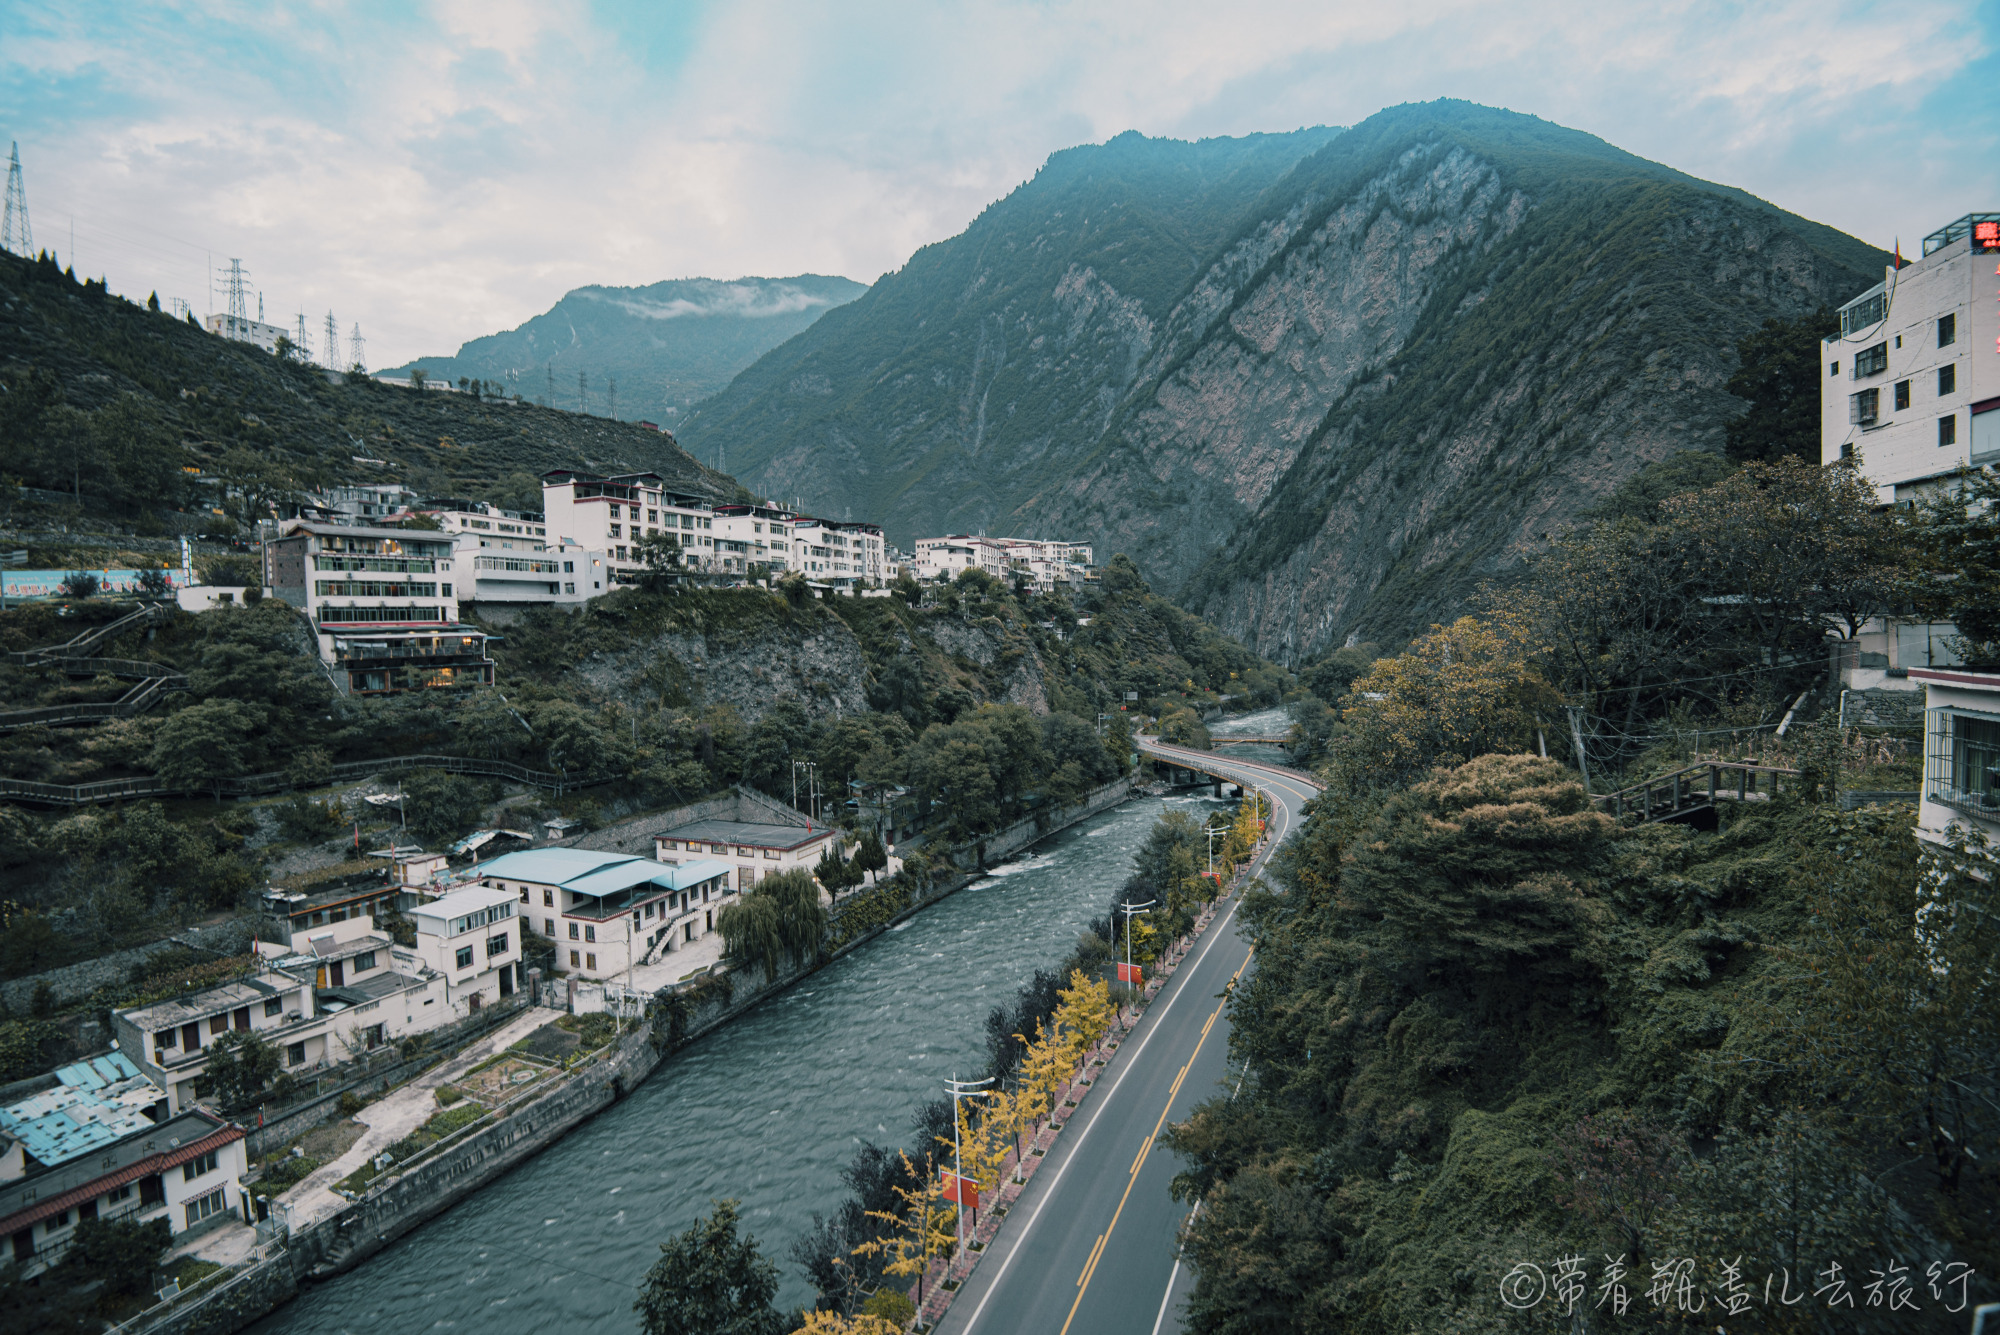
pixel 960 1190
pixel 1134 974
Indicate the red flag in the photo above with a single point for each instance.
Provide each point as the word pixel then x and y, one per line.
pixel 960 1190
pixel 1134 974
pixel 1899 252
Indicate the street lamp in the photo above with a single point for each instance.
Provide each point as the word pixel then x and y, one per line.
pixel 1211 832
pixel 962 1089
pixel 1130 911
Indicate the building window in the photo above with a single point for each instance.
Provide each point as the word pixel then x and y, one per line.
pixel 1864 408
pixel 1947 379
pixel 1868 311
pixel 1948 430
pixel 201 1163
pixel 548 927
pixel 496 946
pixel 524 894
pixel 771 853
pixel 1833 368
pixel 1871 361
pixel 590 963
pixel 465 957
pixel 1947 330
pixel 572 959
pixel 574 933
pixel 204 1207
pixel 295 1054
pixel 548 899
pixel 275 1006
pixel 1962 762
pixel 1902 395
pixel 589 933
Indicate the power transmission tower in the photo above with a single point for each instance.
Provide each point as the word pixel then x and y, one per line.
pixel 181 308
pixel 550 400
pixel 234 285
pixel 611 407
pixel 354 351
pixel 332 362
pixel 582 392
pixel 304 347
pixel 15 235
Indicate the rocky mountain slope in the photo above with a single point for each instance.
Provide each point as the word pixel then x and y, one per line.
pixel 1317 384
pixel 667 345
pixel 126 406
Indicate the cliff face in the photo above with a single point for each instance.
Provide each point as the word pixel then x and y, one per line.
pixel 1406 356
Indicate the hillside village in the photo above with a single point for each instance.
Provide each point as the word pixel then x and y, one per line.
pixel 393 776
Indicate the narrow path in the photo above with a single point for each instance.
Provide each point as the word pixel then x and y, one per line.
pixel 1092 1245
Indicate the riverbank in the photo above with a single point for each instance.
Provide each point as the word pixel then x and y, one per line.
pixel 477 1156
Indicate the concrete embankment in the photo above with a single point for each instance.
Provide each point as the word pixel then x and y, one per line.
pixel 478 1155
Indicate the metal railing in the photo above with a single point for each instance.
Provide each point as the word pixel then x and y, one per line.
pixel 254 785
pixel 1694 788
pixel 89 639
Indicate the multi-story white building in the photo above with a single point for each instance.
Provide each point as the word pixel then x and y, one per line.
pixel 383 602
pixel 1044 562
pixel 1911 383
pixel 607 913
pixel 612 514
pixel 507 560
pixel 840 553
pixel 366 500
pixel 470 940
pixel 751 850
pixel 752 536
pixel 328 994
pixel 90 1147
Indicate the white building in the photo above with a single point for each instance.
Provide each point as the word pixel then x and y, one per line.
pixel 1912 380
pixel 325 996
pixel 750 850
pixel 608 912
pixel 383 602
pixel 241 330
pixel 100 1144
pixel 1044 562
pixel 1961 752
pixel 366 500
pixel 838 552
pixel 612 514
pixel 470 939
pixel 753 536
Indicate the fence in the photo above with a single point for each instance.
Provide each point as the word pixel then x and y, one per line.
pixel 254 785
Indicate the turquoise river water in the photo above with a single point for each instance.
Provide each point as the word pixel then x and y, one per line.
pixel 767 1109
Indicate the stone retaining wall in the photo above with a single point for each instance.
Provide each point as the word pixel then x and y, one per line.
pixel 74 982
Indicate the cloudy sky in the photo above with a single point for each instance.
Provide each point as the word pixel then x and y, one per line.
pixel 437 171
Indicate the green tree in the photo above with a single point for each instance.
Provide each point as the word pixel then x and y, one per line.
pixel 80 584
pixel 205 743
pixel 660 556
pixel 240 1067
pixel 1958 576
pixel 1779 376
pixel 709 1281
pixel 870 856
pixel 439 807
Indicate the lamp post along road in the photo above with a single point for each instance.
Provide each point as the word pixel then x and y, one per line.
pixel 1130 911
pixel 962 1089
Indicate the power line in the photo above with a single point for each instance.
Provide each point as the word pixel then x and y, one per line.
pixel 15 234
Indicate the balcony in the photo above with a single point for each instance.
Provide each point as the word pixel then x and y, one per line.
pixel 388 565
pixel 516 565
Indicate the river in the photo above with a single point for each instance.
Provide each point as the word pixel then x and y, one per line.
pixel 1263 723
pixel 768 1109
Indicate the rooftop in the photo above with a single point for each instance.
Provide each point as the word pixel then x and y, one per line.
pixel 411 535
pixel 552 866
pixel 747 833
pixel 96 1102
pixel 208 1001
pixel 459 903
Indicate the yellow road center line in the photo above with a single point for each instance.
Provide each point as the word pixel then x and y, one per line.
pixel 1097 1252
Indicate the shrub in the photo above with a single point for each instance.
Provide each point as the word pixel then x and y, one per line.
pixel 351 1103
pixel 448 1095
pixel 891 1305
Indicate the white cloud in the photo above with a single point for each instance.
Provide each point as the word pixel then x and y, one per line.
pixel 445 172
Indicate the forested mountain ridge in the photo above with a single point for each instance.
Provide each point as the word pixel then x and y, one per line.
pixel 668 345
pixel 1402 360
pixel 106 398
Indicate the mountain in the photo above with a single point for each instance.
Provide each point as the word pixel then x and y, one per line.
pixel 102 396
pixel 667 345
pixel 1318 385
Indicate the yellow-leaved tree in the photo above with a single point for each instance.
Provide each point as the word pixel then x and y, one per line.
pixel 920 1225
pixel 1468 689
pixel 833 1323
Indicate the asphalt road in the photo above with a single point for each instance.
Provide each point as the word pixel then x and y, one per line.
pixel 1092 1245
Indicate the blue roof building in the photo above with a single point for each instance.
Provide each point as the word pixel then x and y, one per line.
pixel 606 913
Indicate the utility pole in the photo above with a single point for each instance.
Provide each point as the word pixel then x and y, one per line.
pixel 611 405
pixel 1576 735
pixel 963 1089
pixel 550 400
pixel 15 234
pixel 582 392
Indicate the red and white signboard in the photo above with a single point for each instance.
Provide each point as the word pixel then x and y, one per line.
pixel 1134 974
pixel 960 1190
